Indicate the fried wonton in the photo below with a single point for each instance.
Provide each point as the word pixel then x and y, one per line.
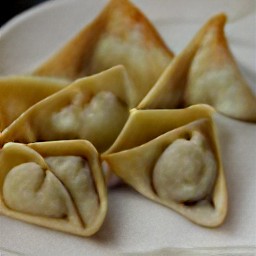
pixel 121 34
pixel 205 72
pixel 58 185
pixel 94 108
pixel 18 93
pixel 174 162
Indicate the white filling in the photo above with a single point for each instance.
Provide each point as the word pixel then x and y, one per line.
pixel 186 170
pixel 99 121
pixel 75 174
pixel 28 188
pixel 143 60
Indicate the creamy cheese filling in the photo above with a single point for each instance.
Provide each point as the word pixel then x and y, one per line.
pixel 99 121
pixel 143 60
pixel 186 170
pixel 74 172
pixel 30 189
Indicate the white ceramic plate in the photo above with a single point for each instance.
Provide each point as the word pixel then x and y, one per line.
pixel 133 223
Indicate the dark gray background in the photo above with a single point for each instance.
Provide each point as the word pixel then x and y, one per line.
pixel 10 8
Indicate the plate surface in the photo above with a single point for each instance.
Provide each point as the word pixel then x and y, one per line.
pixel 134 223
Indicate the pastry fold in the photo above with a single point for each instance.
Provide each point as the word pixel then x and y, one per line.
pixel 94 108
pixel 18 93
pixel 121 34
pixel 58 185
pixel 174 162
pixel 205 72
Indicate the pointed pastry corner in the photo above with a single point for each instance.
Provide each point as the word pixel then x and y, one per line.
pixel 205 72
pixel 214 76
pixel 218 19
pixel 121 34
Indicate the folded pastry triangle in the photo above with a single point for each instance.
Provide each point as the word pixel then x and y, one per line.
pixel 174 162
pixel 93 108
pixel 18 93
pixel 58 185
pixel 205 72
pixel 121 34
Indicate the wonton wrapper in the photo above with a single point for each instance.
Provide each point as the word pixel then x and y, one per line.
pixel 121 34
pixel 93 108
pixel 18 93
pixel 135 155
pixel 38 186
pixel 205 72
